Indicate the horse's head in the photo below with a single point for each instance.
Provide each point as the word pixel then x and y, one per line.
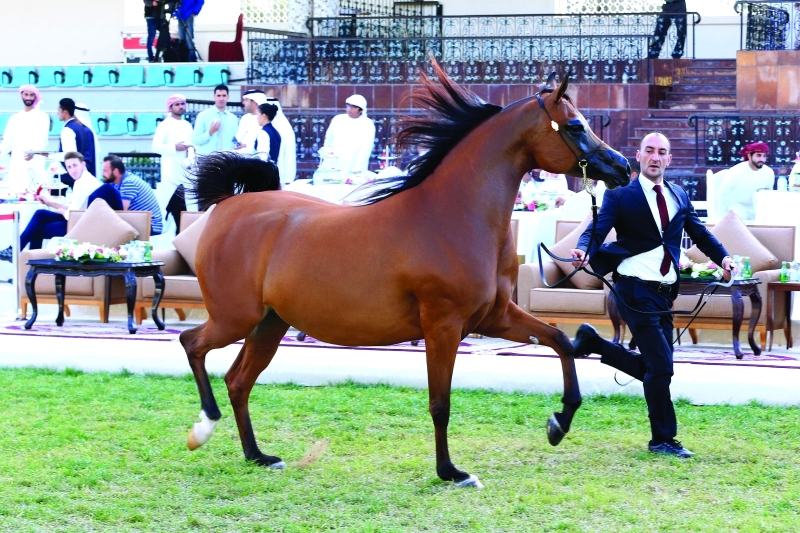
pixel 563 140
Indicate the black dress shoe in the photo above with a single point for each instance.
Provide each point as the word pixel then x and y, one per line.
pixel 586 340
pixel 672 447
pixel 6 255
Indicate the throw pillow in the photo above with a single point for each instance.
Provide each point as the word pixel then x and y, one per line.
pixel 737 239
pixel 100 225
pixel 186 241
pixel 581 280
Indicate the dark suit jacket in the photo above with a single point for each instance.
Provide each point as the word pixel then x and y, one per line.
pixel 626 210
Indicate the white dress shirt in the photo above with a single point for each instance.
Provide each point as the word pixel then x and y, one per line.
pixel 647 265
pixel 81 190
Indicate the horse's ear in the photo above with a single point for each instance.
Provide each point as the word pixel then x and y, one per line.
pixel 551 81
pixel 562 89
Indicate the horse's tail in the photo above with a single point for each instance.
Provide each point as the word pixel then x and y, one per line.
pixel 220 175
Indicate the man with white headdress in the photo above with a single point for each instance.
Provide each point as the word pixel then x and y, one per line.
pixel 172 140
pixel 287 158
pixel 82 115
pixel 351 138
pixel 26 131
pixel 248 129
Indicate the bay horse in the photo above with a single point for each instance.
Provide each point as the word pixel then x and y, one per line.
pixel 429 255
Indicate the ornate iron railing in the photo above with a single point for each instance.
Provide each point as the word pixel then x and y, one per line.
pixel 377 8
pixel 719 138
pixel 485 49
pixel 768 25
pixel 310 126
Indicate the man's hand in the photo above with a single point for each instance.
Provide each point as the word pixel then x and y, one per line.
pixel 729 268
pixel 214 127
pixel 579 256
pixel 560 201
pixel 181 147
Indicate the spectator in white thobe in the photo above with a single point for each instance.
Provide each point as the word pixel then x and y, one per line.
pixel 25 131
pixel 740 182
pixel 248 125
pixel 351 138
pixel 173 140
pixel 287 159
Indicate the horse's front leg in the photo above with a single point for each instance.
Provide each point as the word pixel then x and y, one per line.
pixel 517 325
pixel 441 344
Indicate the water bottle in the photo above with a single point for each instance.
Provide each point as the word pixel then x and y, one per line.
pixel 148 255
pixel 784 273
pixel 783 184
pixel 747 272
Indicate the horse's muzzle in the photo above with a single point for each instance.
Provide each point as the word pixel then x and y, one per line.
pixel 611 167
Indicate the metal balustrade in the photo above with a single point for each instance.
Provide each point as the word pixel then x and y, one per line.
pixel 768 25
pixel 475 49
pixel 720 137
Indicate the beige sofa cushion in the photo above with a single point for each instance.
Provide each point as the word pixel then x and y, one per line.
pixel 737 239
pixel 186 241
pixel 101 226
pixel 581 280
pixel 575 301
pixel 175 288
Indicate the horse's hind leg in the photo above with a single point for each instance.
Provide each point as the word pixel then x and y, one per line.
pixel 517 325
pixel 258 350
pixel 197 342
pixel 441 344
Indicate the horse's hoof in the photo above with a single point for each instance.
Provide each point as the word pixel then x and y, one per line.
pixel 301 336
pixel 201 432
pixel 414 343
pixel 280 465
pixel 554 432
pixel 471 482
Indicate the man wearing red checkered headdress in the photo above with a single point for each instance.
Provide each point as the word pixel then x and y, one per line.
pixel 741 181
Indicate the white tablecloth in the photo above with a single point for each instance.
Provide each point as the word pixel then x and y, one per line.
pixel 8 271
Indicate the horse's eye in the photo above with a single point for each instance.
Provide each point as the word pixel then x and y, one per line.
pixel 577 129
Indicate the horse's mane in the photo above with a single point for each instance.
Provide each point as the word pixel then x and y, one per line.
pixel 451 112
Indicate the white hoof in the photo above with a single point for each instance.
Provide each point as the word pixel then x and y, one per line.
pixel 278 466
pixel 471 482
pixel 201 432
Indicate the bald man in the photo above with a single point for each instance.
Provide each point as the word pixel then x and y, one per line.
pixel 649 216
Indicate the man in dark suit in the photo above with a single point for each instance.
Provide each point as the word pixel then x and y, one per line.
pixel 649 216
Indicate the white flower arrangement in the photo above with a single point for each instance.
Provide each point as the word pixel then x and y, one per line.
pixel 83 252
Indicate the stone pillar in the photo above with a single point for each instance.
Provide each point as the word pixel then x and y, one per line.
pixel 299 12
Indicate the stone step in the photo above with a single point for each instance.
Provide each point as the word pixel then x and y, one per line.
pixel 699 63
pixel 663 122
pixel 726 89
pixel 710 71
pixel 678 143
pixel 682 132
pixel 710 80
pixel 695 106
pixel 700 97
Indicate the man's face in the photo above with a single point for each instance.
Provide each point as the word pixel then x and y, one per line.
pixel 221 98
pixel 654 156
pixel 757 160
pixel 109 175
pixel 352 111
pixel 178 108
pixel 75 167
pixel 63 116
pixel 28 98
pixel 250 106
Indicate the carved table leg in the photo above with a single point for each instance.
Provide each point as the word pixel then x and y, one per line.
pixel 30 281
pixel 60 298
pixel 158 279
pixel 130 294
pixel 787 330
pixel 755 314
pixel 738 313
pixel 770 318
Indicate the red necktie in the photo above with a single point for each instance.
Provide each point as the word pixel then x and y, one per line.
pixel 662 211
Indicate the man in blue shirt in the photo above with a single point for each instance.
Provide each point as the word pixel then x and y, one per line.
pixel 186 12
pixel 215 128
pixel 136 194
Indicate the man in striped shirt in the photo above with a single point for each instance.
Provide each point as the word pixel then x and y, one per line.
pixel 137 195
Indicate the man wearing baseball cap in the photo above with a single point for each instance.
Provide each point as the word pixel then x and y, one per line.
pixel 248 124
pixel 741 181
pixel 351 137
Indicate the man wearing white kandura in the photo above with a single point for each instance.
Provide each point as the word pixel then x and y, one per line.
pixel 173 140
pixel 740 182
pixel 248 125
pixel 351 137
pixel 26 131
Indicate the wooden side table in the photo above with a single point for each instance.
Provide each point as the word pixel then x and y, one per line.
pixel 62 269
pixel 787 288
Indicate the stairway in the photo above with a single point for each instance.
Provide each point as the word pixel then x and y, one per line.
pixel 708 86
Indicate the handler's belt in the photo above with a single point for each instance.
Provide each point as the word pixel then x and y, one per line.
pixel 658 286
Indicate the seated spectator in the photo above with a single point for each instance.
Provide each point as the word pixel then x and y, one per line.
pixel 546 184
pixel 49 223
pixel 136 194
pixel 740 182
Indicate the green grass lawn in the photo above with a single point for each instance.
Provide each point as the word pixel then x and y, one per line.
pixel 102 452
